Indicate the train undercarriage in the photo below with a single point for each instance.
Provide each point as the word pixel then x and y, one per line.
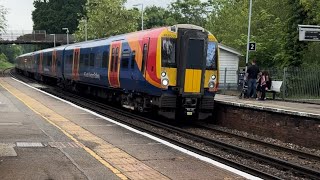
pixel 170 106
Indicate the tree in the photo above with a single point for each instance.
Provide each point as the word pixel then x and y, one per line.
pixel 229 22
pixel 3 21
pixel 189 12
pixel 106 18
pixel 53 15
pixel 10 51
pixel 154 17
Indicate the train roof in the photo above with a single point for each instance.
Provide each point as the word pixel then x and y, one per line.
pixel 108 40
pixel 27 54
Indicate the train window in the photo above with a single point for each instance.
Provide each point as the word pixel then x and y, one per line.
pixel 211 63
pixel 133 59
pixel 105 59
pixel 86 59
pixel 125 59
pixel 49 60
pixel 168 52
pixel 144 57
pixel 81 59
pixel 116 59
pixel 70 59
pixel 195 54
pixel 98 59
pixel 112 59
pixel 92 59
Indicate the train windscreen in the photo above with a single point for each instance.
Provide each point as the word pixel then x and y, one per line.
pixel 212 56
pixel 168 52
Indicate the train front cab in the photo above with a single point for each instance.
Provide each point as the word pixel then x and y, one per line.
pixel 189 73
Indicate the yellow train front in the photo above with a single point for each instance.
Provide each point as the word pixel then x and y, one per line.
pixel 189 72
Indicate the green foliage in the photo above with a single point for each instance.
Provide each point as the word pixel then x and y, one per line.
pixel 311 56
pixel 10 51
pixel 4 62
pixel 300 14
pixel 189 12
pixel 106 18
pixel 155 17
pixel 273 27
pixel 53 15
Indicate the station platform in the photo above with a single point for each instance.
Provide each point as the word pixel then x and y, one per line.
pixel 283 107
pixel 43 137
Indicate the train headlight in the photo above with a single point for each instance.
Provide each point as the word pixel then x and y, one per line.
pixel 165 82
pixel 163 74
pixel 211 85
pixel 213 77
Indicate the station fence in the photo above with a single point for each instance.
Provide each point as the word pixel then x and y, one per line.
pixel 298 84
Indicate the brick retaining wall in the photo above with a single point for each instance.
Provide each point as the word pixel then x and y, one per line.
pixel 304 131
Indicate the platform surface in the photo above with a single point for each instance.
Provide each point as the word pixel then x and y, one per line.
pixel 45 138
pixel 292 108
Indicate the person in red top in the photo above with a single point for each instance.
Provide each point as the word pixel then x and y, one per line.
pixel 264 84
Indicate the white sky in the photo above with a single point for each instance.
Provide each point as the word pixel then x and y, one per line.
pixel 19 11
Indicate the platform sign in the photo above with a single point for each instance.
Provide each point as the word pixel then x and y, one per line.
pixel 252 46
pixel 309 33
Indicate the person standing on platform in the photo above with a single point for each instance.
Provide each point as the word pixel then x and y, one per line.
pixel 252 74
pixel 265 81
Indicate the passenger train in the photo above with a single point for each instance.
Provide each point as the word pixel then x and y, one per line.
pixel 171 70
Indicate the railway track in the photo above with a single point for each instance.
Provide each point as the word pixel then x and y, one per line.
pixel 255 163
pixel 5 72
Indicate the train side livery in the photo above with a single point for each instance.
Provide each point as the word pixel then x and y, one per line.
pixel 172 70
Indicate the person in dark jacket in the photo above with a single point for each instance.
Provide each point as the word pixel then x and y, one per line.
pixel 252 74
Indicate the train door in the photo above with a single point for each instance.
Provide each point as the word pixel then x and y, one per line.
pixel 75 64
pixel 133 70
pixel 41 63
pixel 114 64
pixel 54 63
pixel 145 53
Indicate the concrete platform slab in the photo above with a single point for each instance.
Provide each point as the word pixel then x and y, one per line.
pixel 290 108
pixel 109 148
pixel 7 150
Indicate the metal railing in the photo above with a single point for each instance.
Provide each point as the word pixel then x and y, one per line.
pixel 298 84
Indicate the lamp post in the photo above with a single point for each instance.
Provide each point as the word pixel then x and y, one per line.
pixel 86 28
pixel 140 4
pixel 54 39
pixel 67 31
pixel 248 40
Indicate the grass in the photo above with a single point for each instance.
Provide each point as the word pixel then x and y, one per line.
pixel 5 64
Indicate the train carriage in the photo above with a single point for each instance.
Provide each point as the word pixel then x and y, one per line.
pixel 172 70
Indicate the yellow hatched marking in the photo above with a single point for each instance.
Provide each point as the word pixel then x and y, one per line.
pixel 119 162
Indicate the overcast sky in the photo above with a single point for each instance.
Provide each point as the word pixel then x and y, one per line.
pixel 19 11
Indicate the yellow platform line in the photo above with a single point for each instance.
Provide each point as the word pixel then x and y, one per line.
pixel 30 103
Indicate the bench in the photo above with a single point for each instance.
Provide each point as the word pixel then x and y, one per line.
pixel 275 88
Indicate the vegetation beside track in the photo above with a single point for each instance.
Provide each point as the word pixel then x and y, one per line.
pixel 4 64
